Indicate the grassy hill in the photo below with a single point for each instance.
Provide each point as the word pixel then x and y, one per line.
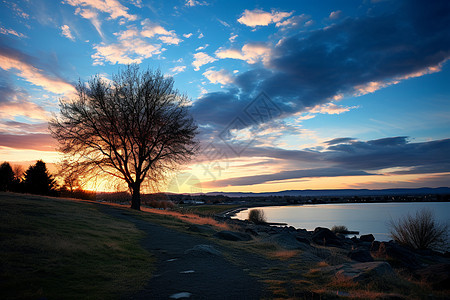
pixel 54 248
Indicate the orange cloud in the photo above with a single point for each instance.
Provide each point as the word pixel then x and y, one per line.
pixel 35 75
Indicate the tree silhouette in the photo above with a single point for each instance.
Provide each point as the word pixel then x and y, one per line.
pixel 135 128
pixel 38 180
pixel 7 177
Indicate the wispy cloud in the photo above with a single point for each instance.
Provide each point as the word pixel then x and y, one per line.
pixel 8 31
pixel 111 7
pixel 65 31
pixel 335 15
pixel 192 3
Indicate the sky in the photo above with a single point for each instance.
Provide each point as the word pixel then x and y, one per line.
pixel 287 94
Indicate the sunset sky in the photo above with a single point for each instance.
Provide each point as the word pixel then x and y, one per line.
pixel 287 94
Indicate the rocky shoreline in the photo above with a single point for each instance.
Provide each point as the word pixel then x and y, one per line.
pixel 360 258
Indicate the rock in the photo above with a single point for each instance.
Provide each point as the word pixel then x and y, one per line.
pixel 398 255
pixel 367 271
pixel 325 237
pixel 205 229
pixel 375 246
pixel 287 241
pixel 367 238
pixel 201 250
pixel 232 236
pixel 437 275
pixel 360 255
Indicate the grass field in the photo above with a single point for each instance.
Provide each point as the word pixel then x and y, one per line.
pixel 54 248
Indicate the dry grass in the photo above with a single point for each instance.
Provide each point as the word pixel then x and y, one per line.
pixel 284 254
pixel 189 217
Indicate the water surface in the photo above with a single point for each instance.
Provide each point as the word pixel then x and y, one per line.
pixel 363 217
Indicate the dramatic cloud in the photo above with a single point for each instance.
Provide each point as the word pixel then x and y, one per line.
pixel 222 76
pixel 307 70
pixel 67 33
pixel 111 7
pixel 257 17
pixel 14 103
pixel 200 59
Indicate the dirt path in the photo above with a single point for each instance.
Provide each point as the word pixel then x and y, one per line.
pixel 185 273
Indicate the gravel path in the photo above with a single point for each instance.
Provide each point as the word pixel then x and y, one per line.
pixel 185 270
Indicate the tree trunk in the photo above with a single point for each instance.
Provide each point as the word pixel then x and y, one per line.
pixel 136 197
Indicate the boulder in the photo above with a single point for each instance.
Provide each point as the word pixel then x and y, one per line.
pixel 325 237
pixel 287 241
pixel 232 236
pixel 398 255
pixel 201 250
pixel 367 271
pixel 367 238
pixel 360 255
pixel 205 229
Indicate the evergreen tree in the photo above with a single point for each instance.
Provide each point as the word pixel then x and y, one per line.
pixel 6 177
pixel 38 180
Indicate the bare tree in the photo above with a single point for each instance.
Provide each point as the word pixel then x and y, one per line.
pixel 136 128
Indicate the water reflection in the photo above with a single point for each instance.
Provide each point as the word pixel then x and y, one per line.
pixel 365 217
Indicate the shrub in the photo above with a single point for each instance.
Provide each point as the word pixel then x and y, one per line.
pixel 419 231
pixel 339 229
pixel 257 216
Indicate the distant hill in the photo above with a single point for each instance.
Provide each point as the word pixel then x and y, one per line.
pixel 342 193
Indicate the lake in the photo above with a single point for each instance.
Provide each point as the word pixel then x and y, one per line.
pixel 363 217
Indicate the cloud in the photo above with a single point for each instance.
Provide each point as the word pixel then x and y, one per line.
pixel 177 69
pixel 330 108
pixel 283 175
pixel 91 16
pixel 187 35
pixel 7 31
pixel 390 153
pixel 305 71
pixel 340 141
pixel 259 17
pixel 251 53
pixel 200 59
pixel 200 36
pixel 66 32
pixel 150 30
pixel 202 47
pixel 111 7
pixel 37 141
pixel 192 3
pixel 15 103
pixel 335 15
pixel 222 76
pixel 232 38
pixel 12 60
pixel 127 51
pixel 294 21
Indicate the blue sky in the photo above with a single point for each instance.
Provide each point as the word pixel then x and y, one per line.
pixel 348 94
